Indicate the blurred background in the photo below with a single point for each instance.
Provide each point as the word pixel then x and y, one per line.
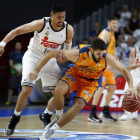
pixel 88 19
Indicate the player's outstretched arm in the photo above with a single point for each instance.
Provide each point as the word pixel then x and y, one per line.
pixel 71 55
pixel 26 28
pixel 111 61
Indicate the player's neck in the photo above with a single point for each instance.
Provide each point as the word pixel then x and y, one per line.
pixel 112 31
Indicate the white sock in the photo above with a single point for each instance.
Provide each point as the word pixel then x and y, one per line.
pixel 47 111
pixel 55 127
pixel 17 113
pixel 59 112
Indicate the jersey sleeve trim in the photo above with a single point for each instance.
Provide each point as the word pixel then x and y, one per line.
pixel 43 26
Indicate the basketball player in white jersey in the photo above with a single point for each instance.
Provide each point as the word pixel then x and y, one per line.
pixel 49 34
pixel 134 66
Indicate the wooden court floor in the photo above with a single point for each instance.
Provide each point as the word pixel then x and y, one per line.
pixel 79 123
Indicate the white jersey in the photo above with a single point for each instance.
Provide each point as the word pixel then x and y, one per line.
pixel 47 39
pixel 137 61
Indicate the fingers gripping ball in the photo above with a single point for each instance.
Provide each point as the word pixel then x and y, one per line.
pixel 131 104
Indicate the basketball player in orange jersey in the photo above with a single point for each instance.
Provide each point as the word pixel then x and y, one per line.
pixel 108 77
pixel 49 34
pixel 82 75
pixel 134 67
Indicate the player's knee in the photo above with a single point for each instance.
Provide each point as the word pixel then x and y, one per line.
pixel 26 91
pixel 78 106
pixel 59 90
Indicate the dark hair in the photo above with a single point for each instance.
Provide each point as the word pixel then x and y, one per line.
pixel 58 8
pixel 112 18
pixel 97 43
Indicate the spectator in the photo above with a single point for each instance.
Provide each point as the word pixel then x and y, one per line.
pixel 122 31
pixel 133 23
pixel 120 20
pixel 120 42
pixel 125 51
pixel 94 33
pixel 136 33
pixel 15 62
pixel 125 14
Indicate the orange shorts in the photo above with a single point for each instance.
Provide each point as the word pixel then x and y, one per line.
pixel 85 87
pixel 107 78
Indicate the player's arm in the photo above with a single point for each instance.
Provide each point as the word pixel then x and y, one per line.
pixel 105 36
pixel 132 60
pixel 111 61
pixel 36 25
pixel 67 44
pixel 71 55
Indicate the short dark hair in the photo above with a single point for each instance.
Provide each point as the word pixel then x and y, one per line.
pixel 112 18
pixel 97 43
pixel 58 8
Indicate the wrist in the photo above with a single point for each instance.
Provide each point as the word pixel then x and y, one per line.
pixel 3 44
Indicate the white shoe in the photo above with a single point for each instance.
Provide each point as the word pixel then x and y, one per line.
pixel 47 134
pixel 52 123
pixel 134 116
pixel 125 116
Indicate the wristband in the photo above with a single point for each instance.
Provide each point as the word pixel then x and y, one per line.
pixel 2 44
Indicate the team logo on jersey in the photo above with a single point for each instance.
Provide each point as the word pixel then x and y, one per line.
pixel 98 64
pixel 33 134
pixel 49 44
pixel 83 62
pixel 47 33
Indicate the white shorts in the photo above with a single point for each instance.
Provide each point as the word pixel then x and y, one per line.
pixel 49 74
pixel 136 81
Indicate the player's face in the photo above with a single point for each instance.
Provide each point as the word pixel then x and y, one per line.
pixel 59 18
pixel 97 55
pixel 113 25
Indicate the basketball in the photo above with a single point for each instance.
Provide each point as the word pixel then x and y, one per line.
pixel 131 104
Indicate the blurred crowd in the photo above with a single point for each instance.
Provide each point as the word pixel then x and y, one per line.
pixel 127 34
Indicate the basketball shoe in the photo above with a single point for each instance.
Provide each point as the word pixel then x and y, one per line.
pixel 52 123
pixel 106 114
pixel 47 134
pixel 134 116
pixel 10 127
pixel 93 118
pixel 126 116
pixel 45 118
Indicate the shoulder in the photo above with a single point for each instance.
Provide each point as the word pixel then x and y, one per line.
pixel 70 28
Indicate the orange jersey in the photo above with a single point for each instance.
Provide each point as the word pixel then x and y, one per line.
pixel 110 47
pixel 86 67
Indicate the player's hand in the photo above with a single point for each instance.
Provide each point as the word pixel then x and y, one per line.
pixel 61 57
pixel 1 50
pixel 131 90
pixel 33 75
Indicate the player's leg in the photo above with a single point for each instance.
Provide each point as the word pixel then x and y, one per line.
pixel 27 84
pixel 134 115
pixel 93 116
pixel 83 96
pixel 49 81
pixel 110 81
pixel 126 115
